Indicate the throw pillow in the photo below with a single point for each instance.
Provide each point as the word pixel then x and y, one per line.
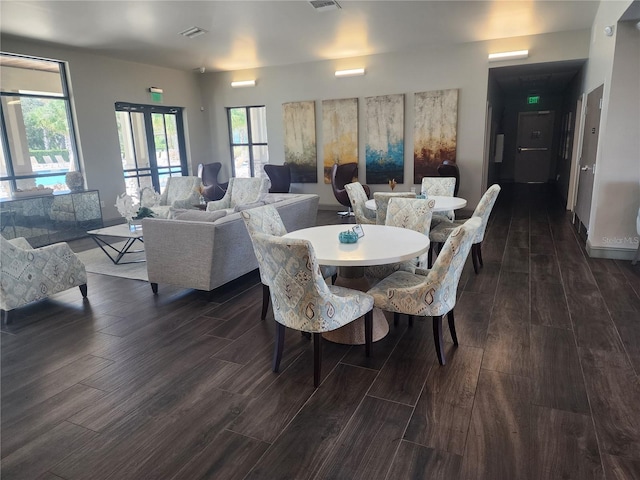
pixel 247 206
pixel 198 215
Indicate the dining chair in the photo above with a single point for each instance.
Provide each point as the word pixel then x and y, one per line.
pixel 430 293
pixel 442 187
pixel 441 232
pixel 267 220
pixel 382 202
pixel 414 214
pixel 301 298
pixel 358 197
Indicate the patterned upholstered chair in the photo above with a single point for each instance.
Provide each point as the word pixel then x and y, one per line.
pixel 440 232
pixel 442 187
pixel 241 191
pixel 179 192
pixel 382 202
pixel 267 220
pixel 430 293
pixel 358 197
pixel 30 274
pixel 414 214
pixel 301 298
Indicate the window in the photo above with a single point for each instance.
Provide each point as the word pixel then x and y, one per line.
pixel 152 145
pixel 248 139
pixel 37 137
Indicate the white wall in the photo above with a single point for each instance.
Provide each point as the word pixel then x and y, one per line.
pixel 612 232
pixel 97 83
pixel 617 182
pixel 463 67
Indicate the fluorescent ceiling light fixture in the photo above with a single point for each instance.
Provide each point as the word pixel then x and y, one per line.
pixel 193 32
pixel 354 72
pixel 13 102
pixel 497 57
pixel 244 83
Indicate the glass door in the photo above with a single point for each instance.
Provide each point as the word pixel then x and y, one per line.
pixel 152 145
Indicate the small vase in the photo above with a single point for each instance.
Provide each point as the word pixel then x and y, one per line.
pixel 392 183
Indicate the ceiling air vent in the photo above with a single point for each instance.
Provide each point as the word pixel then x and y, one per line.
pixel 325 5
pixel 193 32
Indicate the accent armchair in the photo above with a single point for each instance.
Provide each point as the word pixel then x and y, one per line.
pixel 340 176
pixel 179 192
pixel 280 176
pixel 208 172
pixel 241 191
pixel 301 298
pixel 30 274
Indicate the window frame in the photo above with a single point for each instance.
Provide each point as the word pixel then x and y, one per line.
pixel 65 96
pixel 249 144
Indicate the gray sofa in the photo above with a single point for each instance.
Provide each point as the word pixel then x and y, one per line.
pixel 205 255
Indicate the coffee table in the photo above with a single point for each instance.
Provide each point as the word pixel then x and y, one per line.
pixel 118 231
pixel 381 245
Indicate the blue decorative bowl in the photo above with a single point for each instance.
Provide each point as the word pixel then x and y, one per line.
pixel 348 236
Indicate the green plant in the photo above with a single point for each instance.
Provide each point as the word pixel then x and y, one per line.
pixel 144 212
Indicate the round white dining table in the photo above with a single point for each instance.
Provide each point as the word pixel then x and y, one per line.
pixel 380 245
pixel 443 203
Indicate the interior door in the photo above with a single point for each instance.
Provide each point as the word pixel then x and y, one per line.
pixel 535 136
pixel 588 158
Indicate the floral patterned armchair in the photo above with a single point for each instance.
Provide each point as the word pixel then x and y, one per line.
pixel 430 293
pixel 29 274
pixel 241 191
pixel 301 298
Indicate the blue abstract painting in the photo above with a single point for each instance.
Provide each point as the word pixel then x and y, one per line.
pixel 385 139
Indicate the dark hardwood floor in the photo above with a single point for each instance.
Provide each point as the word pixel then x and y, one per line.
pixel 544 384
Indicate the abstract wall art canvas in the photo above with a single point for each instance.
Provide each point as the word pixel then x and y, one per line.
pixel 436 118
pixel 339 133
pixel 385 138
pixel 300 141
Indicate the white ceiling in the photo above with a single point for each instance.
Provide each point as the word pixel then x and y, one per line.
pixel 247 34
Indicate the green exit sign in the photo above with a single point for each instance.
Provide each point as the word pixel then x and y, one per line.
pixel 533 99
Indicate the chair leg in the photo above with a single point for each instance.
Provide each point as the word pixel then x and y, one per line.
pixel 396 318
pixel 265 301
pixel 410 320
pixel 279 346
pixel 368 332
pixel 430 256
pixel 480 253
pixel 437 338
pixel 83 290
pixel 452 327
pixel 334 277
pixel 474 258
pixel 317 358
pixel 637 257
pixel 154 288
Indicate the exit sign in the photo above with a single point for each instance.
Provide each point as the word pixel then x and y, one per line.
pixel 533 99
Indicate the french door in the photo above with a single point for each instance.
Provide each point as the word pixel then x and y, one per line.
pixel 152 146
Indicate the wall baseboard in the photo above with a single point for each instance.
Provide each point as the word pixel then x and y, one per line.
pixel 611 253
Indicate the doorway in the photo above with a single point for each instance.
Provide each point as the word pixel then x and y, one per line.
pixel 152 145
pixel 587 162
pixel 534 140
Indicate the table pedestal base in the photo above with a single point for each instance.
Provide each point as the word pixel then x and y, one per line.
pixel 353 333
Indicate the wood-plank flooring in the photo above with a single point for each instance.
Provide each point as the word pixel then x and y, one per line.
pixel 544 384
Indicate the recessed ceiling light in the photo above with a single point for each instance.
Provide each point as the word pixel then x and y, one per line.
pixel 193 32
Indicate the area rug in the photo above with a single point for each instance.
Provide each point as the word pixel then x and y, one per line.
pixel 96 261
